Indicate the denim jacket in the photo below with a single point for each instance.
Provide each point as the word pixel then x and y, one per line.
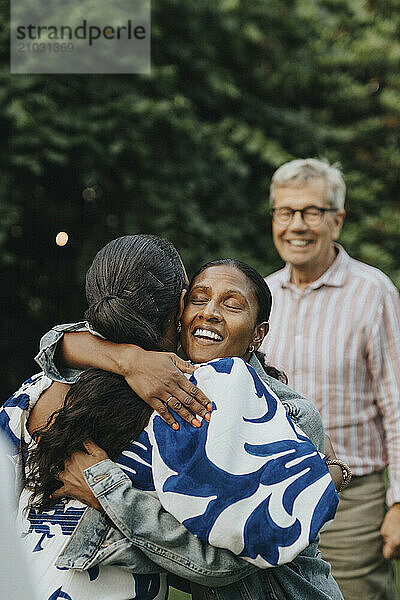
pixel 150 540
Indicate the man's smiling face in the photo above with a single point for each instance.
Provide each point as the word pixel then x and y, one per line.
pixel 306 248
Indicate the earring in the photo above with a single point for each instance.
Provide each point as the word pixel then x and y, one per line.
pixel 251 349
pixel 179 327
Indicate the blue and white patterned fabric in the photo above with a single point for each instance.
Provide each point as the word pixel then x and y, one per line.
pixel 13 417
pixel 249 480
pixel 45 534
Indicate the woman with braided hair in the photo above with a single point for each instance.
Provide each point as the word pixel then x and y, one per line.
pixel 135 289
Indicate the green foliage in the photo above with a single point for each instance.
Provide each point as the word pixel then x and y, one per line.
pixel 236 89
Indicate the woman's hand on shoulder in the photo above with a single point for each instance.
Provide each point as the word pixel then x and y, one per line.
pixel 158 378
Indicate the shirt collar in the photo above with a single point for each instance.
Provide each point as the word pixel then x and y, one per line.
pixel 335 276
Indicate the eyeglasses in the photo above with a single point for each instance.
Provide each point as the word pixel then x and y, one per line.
pixel 311 215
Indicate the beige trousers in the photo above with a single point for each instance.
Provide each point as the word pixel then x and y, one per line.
pixel 353 544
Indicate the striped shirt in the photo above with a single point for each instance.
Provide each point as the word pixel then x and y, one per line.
pixel 338 341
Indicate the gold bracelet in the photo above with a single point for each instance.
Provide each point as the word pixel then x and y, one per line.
pixel 346 472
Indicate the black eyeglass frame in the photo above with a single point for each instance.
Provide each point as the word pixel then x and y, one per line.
pixel 302 211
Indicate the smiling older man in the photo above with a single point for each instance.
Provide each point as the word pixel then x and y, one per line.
pixel 335 331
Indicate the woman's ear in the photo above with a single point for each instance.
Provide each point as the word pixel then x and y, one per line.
pixel 260 332
pixel 181 305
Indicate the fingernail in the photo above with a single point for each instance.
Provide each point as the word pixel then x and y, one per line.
pixel 175 426
pixel 207 417
pixel 209 406
pixel 196 423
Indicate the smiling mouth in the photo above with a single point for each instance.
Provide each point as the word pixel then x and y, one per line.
pixel 300 243
pixel 207 335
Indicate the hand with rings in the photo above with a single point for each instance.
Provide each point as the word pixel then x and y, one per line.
pixel 176 405
pixel 159 379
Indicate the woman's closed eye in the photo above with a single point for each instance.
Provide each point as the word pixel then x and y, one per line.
pixel 198 300
pixel 233 305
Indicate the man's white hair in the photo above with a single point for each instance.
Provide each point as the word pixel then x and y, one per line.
pixel 299 172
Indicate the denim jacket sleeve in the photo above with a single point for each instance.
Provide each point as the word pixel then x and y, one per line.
pixel 48 347
pixel 150 533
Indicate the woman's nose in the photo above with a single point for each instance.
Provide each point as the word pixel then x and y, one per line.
pixel 210 311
